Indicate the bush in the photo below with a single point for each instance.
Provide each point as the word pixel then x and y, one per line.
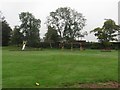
pixel 87 45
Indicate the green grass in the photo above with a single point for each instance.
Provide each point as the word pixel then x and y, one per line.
pixel 56 68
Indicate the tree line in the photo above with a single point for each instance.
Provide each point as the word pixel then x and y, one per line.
pixel 64 25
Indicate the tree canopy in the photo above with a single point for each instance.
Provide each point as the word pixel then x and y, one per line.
pixel 67 22
pixel 6 32
pixel 51 36
pixel 107 33
pixel 17 36
pixel 30 28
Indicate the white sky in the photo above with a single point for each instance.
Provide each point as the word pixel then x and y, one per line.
pixel 95 11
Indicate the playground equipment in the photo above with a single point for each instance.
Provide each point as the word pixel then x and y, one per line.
pixel 24 44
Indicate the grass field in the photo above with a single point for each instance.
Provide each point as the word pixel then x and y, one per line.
pixel 57 68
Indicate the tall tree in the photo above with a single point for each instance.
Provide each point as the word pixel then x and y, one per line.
pixel 107 33
pixel 0 28
pixel 6 33
pixel 51 36
pixel 30 28
pixel 17 36
pixel 67 22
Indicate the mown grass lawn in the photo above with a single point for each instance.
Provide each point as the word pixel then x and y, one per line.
pixel 56 68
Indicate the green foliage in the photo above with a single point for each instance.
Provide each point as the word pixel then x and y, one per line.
pixel 67 22
pixel 17 36
pixel 6 33
pixel 107 33
pixel 30 28
pixel 51 35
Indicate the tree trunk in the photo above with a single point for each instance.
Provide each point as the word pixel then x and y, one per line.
pixel 81 48
pixel 62 46
pixel 50 45
pixel 71 46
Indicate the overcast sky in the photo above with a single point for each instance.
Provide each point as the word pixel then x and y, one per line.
pixel 95 11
